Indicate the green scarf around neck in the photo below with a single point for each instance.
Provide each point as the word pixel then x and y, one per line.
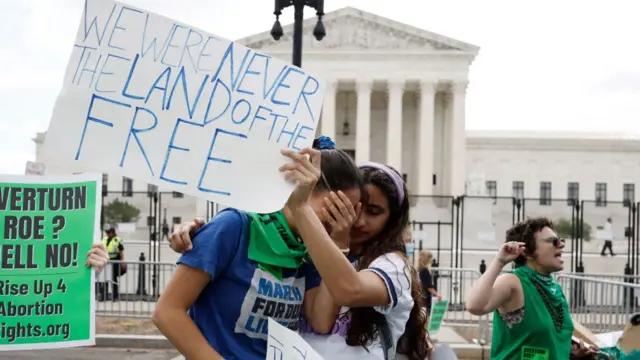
pixel 551 293
pixel 272 244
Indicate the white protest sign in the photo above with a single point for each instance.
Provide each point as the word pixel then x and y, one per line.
pixel 284 344
pixel 156 100
pixel 34 168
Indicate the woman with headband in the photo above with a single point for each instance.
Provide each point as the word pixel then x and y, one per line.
pixel 377 296
pixel 372 298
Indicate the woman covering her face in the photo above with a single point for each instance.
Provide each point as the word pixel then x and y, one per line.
pixel 245 268
pixel 372 289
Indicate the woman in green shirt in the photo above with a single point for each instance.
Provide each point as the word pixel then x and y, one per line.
pixel 531 317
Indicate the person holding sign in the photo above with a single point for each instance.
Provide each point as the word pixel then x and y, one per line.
pixel 243 269
pixel 97 257
pixel 531 315
pixel 425 259
pixel 373 239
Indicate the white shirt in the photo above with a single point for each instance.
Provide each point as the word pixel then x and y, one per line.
pixel 608 231
pixel 393 270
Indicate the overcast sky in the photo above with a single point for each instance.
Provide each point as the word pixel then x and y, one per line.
pixel 547 65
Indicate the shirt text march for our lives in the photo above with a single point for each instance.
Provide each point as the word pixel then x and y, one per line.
pixel 209 82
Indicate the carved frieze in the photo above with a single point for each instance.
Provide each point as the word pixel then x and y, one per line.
pixel 351 32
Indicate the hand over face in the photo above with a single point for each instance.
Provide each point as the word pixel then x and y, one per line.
pixel 341 215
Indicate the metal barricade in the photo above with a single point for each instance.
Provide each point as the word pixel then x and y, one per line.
pixel 608 277
pixel 453 284
pixel 133 294
pixel 600 305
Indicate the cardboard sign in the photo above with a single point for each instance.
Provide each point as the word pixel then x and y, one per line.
pixel 284 344
pixel 438 312
pixel 159 101
pixel 47 293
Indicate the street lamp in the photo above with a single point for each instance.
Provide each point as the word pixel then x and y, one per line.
pixel 298 17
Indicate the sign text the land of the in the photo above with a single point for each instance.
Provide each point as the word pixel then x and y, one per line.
pixel 176 105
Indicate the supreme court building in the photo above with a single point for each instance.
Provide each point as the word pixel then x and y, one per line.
pixel 395 93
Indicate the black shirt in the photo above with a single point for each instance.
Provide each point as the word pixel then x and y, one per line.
pixel 427 283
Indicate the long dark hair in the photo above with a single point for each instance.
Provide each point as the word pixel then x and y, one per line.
pixel 362 330
pixel 339 171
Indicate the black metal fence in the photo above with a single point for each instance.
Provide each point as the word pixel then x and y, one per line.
pixel 466 231
pixel 460 231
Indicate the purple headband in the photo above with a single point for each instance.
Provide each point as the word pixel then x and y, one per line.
pixel 397 180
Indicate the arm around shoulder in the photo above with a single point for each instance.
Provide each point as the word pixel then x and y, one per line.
pixel 381 284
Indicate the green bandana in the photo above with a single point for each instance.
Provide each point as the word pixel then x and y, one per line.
pixel 551 293
pixel 272 244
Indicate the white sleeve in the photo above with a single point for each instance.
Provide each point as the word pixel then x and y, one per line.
pixel 392 269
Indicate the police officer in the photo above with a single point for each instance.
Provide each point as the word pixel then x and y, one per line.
pixel 116 252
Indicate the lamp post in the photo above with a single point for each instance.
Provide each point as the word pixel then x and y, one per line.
pixel 298 17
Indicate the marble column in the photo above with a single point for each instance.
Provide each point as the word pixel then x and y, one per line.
pixel 425 136
pixel 363 121
pixel 394 123
pixel 458 140
pixel 328 125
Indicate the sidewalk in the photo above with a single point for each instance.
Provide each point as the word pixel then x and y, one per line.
pixel 90 353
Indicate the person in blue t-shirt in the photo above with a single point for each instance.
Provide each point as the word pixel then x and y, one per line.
pixel 379 289
pixel 245 268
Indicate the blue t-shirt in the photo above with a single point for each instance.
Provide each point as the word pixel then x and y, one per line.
pixel 233 309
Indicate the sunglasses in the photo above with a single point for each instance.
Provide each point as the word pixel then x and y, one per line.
pixel 555 241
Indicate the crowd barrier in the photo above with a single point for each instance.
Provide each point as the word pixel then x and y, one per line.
pixel 139 288
pixel 601 302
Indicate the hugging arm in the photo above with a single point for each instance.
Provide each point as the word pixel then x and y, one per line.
pixel 345 284
pixel 320 309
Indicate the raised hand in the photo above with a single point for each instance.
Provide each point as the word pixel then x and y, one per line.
pixel 510 251
pixel 304 171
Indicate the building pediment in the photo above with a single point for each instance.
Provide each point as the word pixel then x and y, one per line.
pixel 349 29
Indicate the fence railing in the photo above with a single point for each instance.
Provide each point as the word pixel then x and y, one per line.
pixel 595 300
pixel 455 229
pixel 452 284
pixel 600 305
pixel 133 294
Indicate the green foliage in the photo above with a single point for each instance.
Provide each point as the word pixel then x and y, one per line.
pixel 565 228
pixel 120 212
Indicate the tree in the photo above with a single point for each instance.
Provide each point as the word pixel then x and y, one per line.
pixel 565 228
pixel 120 212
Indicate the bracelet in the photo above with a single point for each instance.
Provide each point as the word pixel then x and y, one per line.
pixel 345 251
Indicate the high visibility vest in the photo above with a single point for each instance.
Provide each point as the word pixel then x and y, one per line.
pixel 113 247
